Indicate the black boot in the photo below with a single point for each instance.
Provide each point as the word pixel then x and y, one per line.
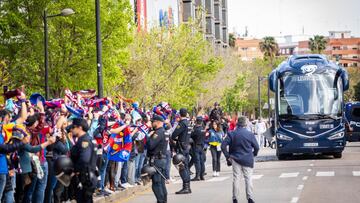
pixel 235 201
pixel 250 200
pixel 202 177
pixel 196 178
pixel 185 190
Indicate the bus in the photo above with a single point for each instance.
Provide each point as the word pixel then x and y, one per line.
pixel 309 104
pixel 352 117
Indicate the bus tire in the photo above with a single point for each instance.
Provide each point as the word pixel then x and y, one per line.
pixel 337 155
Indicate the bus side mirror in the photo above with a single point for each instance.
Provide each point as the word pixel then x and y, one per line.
pixel 345 80
pixel 272 81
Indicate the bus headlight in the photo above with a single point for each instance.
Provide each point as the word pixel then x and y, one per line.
pixel 283 137
pixel 336 136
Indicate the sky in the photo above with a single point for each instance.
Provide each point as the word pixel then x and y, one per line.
pixel 293 17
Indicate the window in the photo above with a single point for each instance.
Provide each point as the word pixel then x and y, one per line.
pixel 345 65
pixel 356 112
pixel 355 57
pixel 355 64
pixel 244 48
pixel 354 48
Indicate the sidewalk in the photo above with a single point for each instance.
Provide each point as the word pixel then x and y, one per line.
pixel 266 154
pixel 121 196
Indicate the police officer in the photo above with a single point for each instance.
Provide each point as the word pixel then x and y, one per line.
pixel 84 158
pixel 198 135
pixel 181 136
pixel 156 152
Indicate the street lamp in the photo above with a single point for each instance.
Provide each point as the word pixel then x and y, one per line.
pixel 259 95
pixel 98 50
pixel 64 12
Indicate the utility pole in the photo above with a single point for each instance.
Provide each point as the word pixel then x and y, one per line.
pixel 99 50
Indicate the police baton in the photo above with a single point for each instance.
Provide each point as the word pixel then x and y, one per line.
pixel 157 170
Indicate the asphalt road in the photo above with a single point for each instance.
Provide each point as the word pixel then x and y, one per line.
pixel 309 179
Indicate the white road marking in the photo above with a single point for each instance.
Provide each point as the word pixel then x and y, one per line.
pixel 294 200
pixel 217 179
pixel 356 173
pixel 309 170
pixel 305 178
pixel 311 164
pixel 289 175
pixel 300 187
pixel 325 173
pixel 313 160
pixel 257 177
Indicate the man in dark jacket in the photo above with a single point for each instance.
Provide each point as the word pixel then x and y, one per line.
pixel 216 113
pixel 198 135
pixel 242 149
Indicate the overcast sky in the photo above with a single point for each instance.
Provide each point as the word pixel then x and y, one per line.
pixel 284 17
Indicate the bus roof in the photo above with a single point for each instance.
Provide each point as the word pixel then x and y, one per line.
pixel 312 62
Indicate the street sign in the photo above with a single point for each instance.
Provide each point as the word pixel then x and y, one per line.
pixel 266 106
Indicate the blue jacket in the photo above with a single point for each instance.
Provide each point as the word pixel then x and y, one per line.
pixel 3 162
pixel 242 147
pixel 215 137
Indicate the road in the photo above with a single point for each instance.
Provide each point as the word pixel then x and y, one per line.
pixel 309 179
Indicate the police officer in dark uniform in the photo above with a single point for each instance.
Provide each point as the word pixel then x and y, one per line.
pixel 84 158
pixel 156 152
pixel 198 135
pixel 181 136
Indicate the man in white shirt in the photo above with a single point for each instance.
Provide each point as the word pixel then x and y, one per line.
pixel 260 129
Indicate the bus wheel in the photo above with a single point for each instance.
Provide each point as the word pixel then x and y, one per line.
pixel 337 155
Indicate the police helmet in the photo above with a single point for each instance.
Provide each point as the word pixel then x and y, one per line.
pixel 63 164
pixel 178 159
pixel 148 170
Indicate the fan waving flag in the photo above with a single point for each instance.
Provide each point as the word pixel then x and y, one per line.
pixel 120 146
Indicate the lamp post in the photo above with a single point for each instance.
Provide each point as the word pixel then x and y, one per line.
pixel 64 12
pixel 259 93
pixel 99 50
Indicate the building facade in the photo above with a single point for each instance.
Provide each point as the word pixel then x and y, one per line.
pixel 340 47
pixel 248 49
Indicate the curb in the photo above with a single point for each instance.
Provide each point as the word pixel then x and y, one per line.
pixel 122 195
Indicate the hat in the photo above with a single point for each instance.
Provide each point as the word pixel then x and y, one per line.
pixel 80 122
pixel 199 118
pixel 183 112
pixel 157 118
pixel 34 98
pixel 242 121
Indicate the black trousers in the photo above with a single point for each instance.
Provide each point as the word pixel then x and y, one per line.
pixel 185 171
pixel 158 182
pixel 199 161
pixel 215 154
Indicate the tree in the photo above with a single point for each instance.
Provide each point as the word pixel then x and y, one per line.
pixel 232 40
pixel 357 92
pixel 72 55
pixel 317 44
pixel 270 48
pixel 235 97
pixel 169 65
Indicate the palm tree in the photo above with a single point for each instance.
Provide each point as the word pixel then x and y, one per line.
pixel 232 40
pixel 317 44
pixel 270 48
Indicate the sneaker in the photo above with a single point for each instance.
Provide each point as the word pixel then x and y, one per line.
pixel 214 174
pixel 218 173
pixel 127 185
pixel 108 191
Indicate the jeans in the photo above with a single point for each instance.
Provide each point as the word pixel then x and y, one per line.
pixel 9 195
pixel 215 154
pixel 168 165
pixel 38 186
pixel 124 173
pixel 158 183
pixel 51 181
pixel 139 163
pixel 199 162
pixel 2 184
pixel 247 173
pixel 131 172
pixel 118 172
pixel 103 171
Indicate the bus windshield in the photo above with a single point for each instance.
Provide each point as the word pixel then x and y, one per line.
pixel 310 95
